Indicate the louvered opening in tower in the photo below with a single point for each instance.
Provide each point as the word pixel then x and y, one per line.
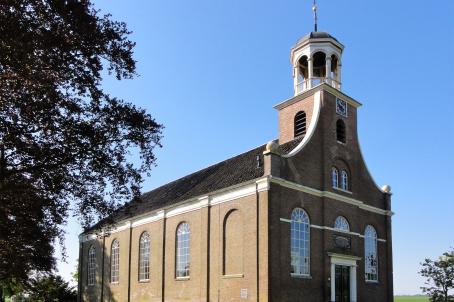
pixel 300 124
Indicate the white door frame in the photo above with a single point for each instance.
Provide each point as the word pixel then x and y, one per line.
pixel 345 260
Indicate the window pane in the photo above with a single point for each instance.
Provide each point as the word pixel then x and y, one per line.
pixel 144 257
pixel 91 266
pixel 182 250
pixel 370 249
pixel 115 261
pixel 300 242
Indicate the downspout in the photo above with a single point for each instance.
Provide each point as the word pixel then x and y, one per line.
pixel 129 264
pixel 102 265
pixel 164 221
pixel 79 269
pixel 257 237
pixel 208 251
pixel 389 244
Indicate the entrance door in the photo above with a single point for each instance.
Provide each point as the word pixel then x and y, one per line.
pixel 342 283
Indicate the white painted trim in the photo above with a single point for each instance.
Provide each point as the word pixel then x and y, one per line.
pixel 319 227
pixel 344 260
pixel 312 125
pixel 330 89
pixel 328 194
pixel 225 195
pixel 193 204
pixel 157 216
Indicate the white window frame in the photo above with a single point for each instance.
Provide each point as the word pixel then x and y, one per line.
pixel 341 224
pixel 300 251
pixel 370 254
pixel 182 255
pixel 91 266
pixel 115 262
pixel 144 257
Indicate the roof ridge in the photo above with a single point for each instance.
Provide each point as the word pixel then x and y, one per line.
pixel 203 169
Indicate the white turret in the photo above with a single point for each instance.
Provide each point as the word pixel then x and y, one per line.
pixel 316 59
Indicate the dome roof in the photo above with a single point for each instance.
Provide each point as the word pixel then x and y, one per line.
pixel 316 35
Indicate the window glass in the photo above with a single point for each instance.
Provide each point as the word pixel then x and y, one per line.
pixel 144 257
pixel 341 224
pixel 370 248
pixel 91 266
pixel 115 262
pixel 300 242
pixel 182 250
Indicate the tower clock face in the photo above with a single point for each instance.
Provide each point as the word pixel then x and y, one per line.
pixel 341 107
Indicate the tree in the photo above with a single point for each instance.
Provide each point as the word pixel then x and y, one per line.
pixel 440 278
pixel 65 143
pixel 51 289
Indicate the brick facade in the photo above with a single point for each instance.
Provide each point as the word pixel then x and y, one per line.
pixel 258 254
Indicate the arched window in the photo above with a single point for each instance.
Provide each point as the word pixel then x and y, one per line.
pixel 115 262
pixel 91 270
pixel 182 250
pixel 370 250
pixel 233 243
pixel 341 223
pixel 334 177
pixel 300 243
pixel 300 124
pixel 144 257
pixel 340 131
pixel 344 180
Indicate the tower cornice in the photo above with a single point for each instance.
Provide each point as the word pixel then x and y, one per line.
pixel 309 92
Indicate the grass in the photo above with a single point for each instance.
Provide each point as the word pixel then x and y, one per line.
pixel 411 299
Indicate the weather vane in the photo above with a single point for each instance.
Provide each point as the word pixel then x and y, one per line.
pixel 314 9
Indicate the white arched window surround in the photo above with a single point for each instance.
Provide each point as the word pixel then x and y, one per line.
pixel 115 262
pixel 334 177
pixel 300 243
pixel 91 269
pixel 341 223
pixel 344 180
pixel 182 255
pixel 370 257
pixel 144 257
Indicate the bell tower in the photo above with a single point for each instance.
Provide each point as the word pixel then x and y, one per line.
pixel 316 59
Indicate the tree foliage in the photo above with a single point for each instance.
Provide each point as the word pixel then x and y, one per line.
pixel 439 276
pixel 51 289
pixel 65 143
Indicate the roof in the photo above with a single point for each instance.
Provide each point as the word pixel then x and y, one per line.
pixel 235 170
pixel 316 35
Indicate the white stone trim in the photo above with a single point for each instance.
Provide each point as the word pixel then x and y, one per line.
pixel 319 227
pixel 312 125
pixel 229 194
pixel 330 89
pixel 193 204
pixel 157 216
pixel 328 194
pixel 344 260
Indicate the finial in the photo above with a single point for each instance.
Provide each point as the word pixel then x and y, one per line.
pixel 314 9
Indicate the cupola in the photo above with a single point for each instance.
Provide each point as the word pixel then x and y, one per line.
pixel 316 59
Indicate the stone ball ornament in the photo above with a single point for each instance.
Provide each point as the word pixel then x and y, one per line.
pixel 272 147
pixel 386 189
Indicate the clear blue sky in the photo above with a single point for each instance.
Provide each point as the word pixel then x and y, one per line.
pixel 211 71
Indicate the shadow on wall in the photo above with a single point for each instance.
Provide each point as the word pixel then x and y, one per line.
pixel 99 287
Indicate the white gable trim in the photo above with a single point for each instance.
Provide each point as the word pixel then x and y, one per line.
pixel 225 195
pixel 186 206
pixel 331 195
pixel 312 125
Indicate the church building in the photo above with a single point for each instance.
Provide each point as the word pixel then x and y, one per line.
pixel 299 218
